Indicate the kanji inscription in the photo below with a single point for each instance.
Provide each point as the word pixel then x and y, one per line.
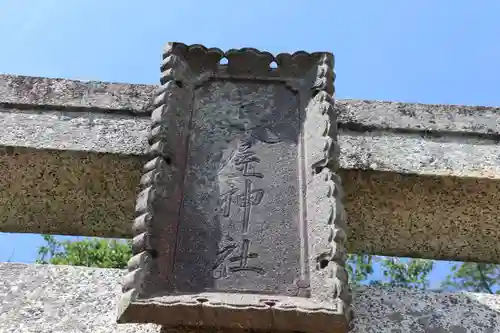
pixel 242 197
pixel 245 198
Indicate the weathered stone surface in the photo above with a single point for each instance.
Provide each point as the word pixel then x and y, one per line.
pixel 382 136
pixel 40 93
pixel 421 215
pixel 417 153
pixel 240 223
pixel 74 131
pixel 377 150
pixel 63 192
pixel 414 117
pixel 432 217
pixel 62 299
pixel 397 310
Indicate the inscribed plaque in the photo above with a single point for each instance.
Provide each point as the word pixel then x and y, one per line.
pixel 240 223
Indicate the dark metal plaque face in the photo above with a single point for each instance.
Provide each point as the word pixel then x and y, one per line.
pixel 241 227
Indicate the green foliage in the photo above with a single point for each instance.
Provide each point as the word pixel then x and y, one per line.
pixel 89 252
pixel 396 272
pixel 474 277
pixel 360 267
pixel 409 273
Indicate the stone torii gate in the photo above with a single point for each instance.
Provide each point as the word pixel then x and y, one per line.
pixel 253 185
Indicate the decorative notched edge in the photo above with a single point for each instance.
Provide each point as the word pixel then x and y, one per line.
pixel 243 62
pixel 323 154
pixel 159 182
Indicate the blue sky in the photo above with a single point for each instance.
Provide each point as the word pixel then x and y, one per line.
pixel 427 51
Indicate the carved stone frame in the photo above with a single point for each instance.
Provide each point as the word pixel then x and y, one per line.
pixel 328 308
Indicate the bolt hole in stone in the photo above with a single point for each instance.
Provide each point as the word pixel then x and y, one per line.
pixel 269 302
pixel 179 84
pixel 223 61
pixel 323 263
pixel 273 65
pixel 202 300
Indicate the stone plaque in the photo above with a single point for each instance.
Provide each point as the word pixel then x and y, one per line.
pixel 240 222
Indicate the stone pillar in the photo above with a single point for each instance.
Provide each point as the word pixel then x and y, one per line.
pixel 240 223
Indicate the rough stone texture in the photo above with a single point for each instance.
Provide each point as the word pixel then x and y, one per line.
pixel 77 131
pixel 42 92
pixel 63 192
pixel 383 136
pixel 420 215
pixel 37 92
pixel 377 150
pixel 447 218
pixel 423 176
pixel 402 310
pixel 240 223
pixel 417 153
pixel 61 299
pixel 64 299
pixel 414 117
